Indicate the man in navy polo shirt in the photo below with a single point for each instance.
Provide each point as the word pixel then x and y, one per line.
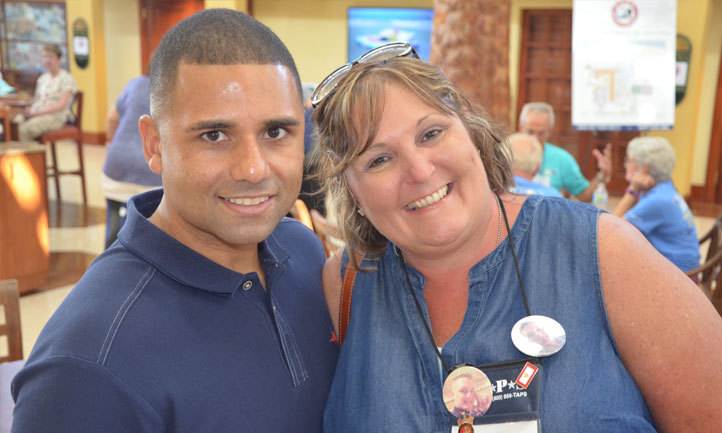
pixel 208 314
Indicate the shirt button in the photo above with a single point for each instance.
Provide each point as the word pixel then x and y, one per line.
pixel 247 285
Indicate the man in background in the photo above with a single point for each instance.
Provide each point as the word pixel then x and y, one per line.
pixel 208 314
pixel 527 152
pixel 559 169
pixel 125 171
pixel 54 91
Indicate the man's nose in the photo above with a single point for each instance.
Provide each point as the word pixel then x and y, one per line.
pixel 248 162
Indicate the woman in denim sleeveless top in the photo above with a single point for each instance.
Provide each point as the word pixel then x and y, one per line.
pixel 414 170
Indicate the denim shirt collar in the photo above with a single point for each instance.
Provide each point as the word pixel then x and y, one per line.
pixel 181 263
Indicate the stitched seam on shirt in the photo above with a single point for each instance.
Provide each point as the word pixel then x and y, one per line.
pixel 295 371
pixel 122 312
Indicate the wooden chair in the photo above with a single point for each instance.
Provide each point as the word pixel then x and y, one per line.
pixel 709 274
pixel 5 114
pixel 327 232
pixel 10 327
pixel 300 212
pixel 71 131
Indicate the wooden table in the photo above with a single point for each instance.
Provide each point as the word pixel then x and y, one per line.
pixel 11 106
pixel 24 249
pixel 8 370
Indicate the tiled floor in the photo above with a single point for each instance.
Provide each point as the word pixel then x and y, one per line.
pixel 78 236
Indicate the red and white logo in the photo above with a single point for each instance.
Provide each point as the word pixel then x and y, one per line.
pixel 526 375
pixel 624 13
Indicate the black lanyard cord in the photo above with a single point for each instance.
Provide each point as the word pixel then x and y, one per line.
pixel 513 254
pixel 416 300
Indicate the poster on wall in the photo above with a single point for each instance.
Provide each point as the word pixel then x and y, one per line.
pixel 623 64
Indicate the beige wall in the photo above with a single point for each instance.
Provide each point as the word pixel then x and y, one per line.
pixel 315 30
pixel 122 45
pixel 710 53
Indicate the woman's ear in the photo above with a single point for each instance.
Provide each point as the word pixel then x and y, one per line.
pixel 152 147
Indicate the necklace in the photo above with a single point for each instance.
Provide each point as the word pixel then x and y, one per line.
pixel 502 211
pixel 498 232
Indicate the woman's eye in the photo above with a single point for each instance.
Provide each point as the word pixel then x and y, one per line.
pixel 431 134
pixel 275 133
pixel 378 161
pixel 214 136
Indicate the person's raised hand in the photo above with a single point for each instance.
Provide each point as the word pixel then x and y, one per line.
pixel 604 161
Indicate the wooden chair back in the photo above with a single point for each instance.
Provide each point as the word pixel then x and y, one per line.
pixel 325 231
pixel 10 321
pixel 6 114
pixel 300 212
pixel 709 274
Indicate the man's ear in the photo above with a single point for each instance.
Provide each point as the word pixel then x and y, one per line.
pixel 151 143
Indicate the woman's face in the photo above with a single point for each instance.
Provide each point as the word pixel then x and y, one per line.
pixel 421 182
pixel 631 166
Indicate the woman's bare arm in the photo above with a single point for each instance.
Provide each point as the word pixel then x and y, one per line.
pixel 668 334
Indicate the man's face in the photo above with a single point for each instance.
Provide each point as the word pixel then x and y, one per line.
pixel 229 146
pixel 51 62
pixel 537 124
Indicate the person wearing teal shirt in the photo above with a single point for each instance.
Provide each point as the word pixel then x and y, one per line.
pixel 559 169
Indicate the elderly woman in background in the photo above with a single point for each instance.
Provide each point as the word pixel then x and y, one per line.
pixel 653 205
pixel 448 261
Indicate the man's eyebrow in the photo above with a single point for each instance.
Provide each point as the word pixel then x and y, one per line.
pixel 211 124
pixel 281 122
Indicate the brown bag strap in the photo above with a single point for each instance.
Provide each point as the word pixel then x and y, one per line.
pixel 344 312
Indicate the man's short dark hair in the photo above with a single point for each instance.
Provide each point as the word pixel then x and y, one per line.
pixel 214 37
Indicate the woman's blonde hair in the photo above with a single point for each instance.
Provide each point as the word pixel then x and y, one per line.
pixel 348 120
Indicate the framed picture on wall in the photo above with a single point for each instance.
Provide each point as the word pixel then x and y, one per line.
pixel 371 27
pixel 25 27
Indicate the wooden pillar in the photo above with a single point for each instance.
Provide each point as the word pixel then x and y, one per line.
pixel 470 42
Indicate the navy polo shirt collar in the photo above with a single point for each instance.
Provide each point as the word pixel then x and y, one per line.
pixel 176 260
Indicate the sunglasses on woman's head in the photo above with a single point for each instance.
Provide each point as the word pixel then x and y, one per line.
pixel 388 51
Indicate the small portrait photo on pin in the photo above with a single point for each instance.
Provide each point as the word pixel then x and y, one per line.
pixel 467 391
pixel 538 336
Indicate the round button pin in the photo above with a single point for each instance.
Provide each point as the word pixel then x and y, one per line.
pixel 467 392
pixel 538 336
pixel 247 285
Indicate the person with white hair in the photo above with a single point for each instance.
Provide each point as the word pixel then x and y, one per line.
pixel 653 205
pixel 559 169
pixel 527 157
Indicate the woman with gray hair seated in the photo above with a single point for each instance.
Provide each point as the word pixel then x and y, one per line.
pixel 653 205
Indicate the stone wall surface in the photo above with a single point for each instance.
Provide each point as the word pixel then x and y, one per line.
pixel 470 42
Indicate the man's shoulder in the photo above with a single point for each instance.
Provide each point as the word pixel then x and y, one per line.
pixel 297 240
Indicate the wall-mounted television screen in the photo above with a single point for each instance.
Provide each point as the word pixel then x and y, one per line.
pixel 371 27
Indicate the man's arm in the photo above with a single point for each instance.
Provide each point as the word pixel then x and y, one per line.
pixel 111 124
pixel 64 394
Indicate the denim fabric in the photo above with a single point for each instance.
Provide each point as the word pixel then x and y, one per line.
pixel 388 376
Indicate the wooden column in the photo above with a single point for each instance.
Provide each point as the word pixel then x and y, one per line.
pixel 470 43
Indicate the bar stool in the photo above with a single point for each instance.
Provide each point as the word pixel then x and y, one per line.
pixel 71 131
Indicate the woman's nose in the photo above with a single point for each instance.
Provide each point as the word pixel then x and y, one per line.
pixel 419 166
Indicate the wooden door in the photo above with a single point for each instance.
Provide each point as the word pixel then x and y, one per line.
pixel 157 17
pixel 545 74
